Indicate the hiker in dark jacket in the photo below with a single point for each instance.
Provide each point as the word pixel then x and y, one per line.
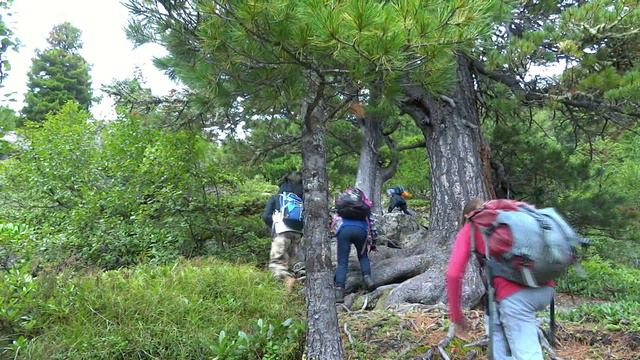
pixel 398 200
pixel 285 258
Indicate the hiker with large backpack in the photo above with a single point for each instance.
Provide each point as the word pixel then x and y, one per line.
pixel 522 250
pixel 353 224
pixel 398 199
pixel 283 214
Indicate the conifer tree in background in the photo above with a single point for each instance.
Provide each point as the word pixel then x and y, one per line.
pixel 58 74
pixel 568 71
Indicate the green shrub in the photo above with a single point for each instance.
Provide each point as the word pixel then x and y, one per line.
pixel 169 312
pixel 604 280
pixel 120 193
pixel 242 223
pixel 620 250
pixel 16 282
pixel 265 342
pixel 623 315
pixel 608 281
pixel 252 250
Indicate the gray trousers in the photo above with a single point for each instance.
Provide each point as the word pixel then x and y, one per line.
pixel 515 329
pixel 285 254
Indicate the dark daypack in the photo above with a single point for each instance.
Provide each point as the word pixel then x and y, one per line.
pixel 353 204
pixel 290 206
pixel 526 245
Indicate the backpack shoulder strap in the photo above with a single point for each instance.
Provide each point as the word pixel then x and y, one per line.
pixel 473 237
pixel 489 287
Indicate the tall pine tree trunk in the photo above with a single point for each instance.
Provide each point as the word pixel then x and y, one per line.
pixel 323 334
pixel 369 176
pixel 455 149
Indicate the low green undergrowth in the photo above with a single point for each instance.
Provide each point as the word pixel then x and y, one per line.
pixel 622 250
pixel 624 315
pixel 603 279
pixel 189 310
pixel 617 284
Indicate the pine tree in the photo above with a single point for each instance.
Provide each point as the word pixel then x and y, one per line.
pixel 58 74
pixel 305 62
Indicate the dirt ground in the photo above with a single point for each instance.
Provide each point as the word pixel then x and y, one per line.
pixel 415 332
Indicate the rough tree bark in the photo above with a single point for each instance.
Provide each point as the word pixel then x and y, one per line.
pixel 458 161
pixel 371 174
pixel 368 168
pixel 455 148
pixel 323 334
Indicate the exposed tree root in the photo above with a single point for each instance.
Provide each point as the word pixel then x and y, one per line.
pixel 420 332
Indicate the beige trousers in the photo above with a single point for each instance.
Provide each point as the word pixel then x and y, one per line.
pixel 285 254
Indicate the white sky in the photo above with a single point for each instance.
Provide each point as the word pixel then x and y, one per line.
pixel 106 48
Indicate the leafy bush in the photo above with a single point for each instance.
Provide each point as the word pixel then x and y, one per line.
pixel 607 281
pixel 265 342
pixel 16 283
pixel 624 315
pixel 621 251
pixel 119 193
pixel 604 280
pixel 243 222
pixel 8 122
pixel 182 311
pixel 250 251
pixel 413 170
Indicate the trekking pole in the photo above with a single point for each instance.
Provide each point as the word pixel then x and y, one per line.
pixel 492 313
pixel 490 295
pixel 552 322
pixel 491 306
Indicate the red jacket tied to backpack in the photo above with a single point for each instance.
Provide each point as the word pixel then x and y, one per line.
pixel 527 247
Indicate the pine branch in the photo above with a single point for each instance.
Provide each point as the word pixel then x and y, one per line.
pixel 533 97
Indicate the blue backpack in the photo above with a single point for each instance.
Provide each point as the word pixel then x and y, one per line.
pixel 291 208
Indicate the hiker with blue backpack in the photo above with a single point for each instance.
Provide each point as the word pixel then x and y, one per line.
pixel 522 251
pixel 283 214
pixel 353 224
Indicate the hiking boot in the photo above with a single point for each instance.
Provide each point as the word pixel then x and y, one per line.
pixel 339 295
pixel 289 282
pixel 368 282
pixel 299 270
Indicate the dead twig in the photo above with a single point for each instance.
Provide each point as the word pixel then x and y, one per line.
pixel 366 302
pixel 480 342
pixel 471 355
pixel 444 342
pixel 427 356
pixel 450 334
pixel 346 331
pixel 545 345
pixel 443 353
